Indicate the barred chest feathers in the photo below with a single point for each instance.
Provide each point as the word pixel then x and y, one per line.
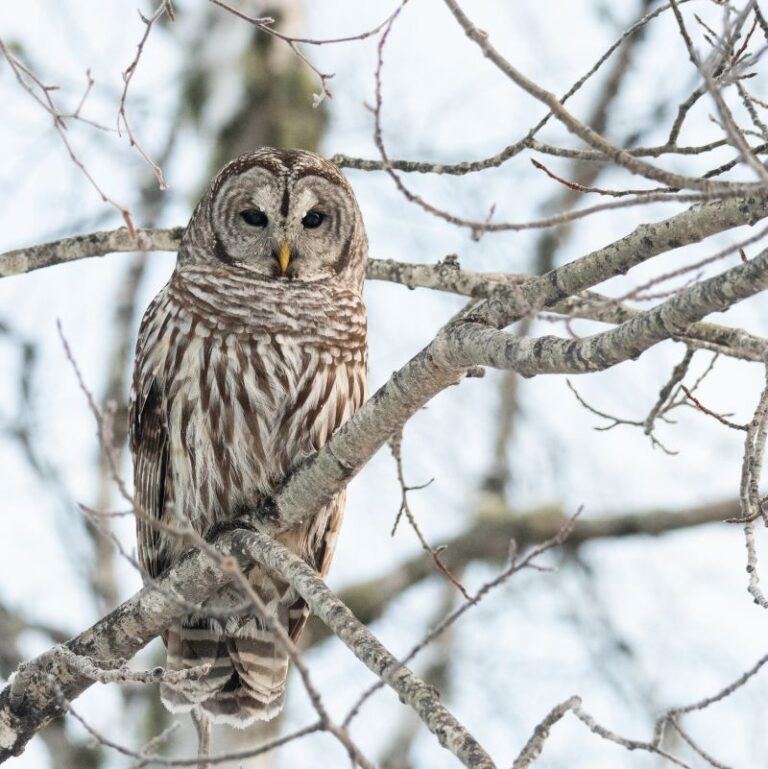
pixel 254 379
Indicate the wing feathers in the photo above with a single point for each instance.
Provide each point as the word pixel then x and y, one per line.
pixel 149 440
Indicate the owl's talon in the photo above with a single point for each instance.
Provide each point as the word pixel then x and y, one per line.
pixel 267 510
pixel 224 526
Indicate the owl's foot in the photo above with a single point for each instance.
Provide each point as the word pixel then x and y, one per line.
pixel 246 517
pixel 266 510
pixel 241 522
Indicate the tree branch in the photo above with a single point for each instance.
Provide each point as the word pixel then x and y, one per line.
pixel 474 344
pixel 447 276
pixel 369 650
pixel 83 246
pixel 38 689
pixel 32 698
pixel 647 240
pixel 644 242
pixel 592 138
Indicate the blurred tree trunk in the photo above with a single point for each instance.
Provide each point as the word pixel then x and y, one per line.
pixel 276 108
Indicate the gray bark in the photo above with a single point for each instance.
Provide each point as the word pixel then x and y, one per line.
pixel 40 689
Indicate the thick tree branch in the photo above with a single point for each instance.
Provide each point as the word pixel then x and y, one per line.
pixel 465 343
pixel 32 698
pixel 447 276
pixel 734 342
pixel 366 647
pixel 83 246
pixel 509 303
pixel 39 688
pixel 647 240
pixel 474 344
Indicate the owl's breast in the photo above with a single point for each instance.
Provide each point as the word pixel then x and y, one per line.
pixel 246 403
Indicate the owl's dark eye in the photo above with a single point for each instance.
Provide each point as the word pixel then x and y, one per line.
pixel 313 219
pixel 254 217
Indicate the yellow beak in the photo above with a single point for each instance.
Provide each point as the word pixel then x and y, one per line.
pixel 285 256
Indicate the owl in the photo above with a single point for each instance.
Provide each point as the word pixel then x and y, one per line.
pixel 247 361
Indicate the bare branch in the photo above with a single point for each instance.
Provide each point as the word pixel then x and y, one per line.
pixel 532 750
pixel 22 73
pixel 529 141
pixel 162 9
pixel 751 503
pixel 83 246
pixel 592 138
pixel 31 699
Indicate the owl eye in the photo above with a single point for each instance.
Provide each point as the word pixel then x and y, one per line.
pixel 254 217
pixel 313 219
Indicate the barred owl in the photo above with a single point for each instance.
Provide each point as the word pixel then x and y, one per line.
pixel 247 361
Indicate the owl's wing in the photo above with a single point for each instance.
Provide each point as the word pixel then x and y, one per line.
pixel 149 444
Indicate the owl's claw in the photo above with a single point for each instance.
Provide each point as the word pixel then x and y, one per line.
pixel 246 517
pixel 266 510
pixel 224 526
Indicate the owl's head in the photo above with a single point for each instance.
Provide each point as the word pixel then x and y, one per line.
pixel 281 214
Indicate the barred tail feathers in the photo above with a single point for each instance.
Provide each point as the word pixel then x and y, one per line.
pixel 246 681
pixel 261 666
pixel 249 665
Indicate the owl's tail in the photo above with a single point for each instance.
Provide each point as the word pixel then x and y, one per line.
pixel 248 668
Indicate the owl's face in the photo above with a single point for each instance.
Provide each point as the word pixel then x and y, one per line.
pixel 284 215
